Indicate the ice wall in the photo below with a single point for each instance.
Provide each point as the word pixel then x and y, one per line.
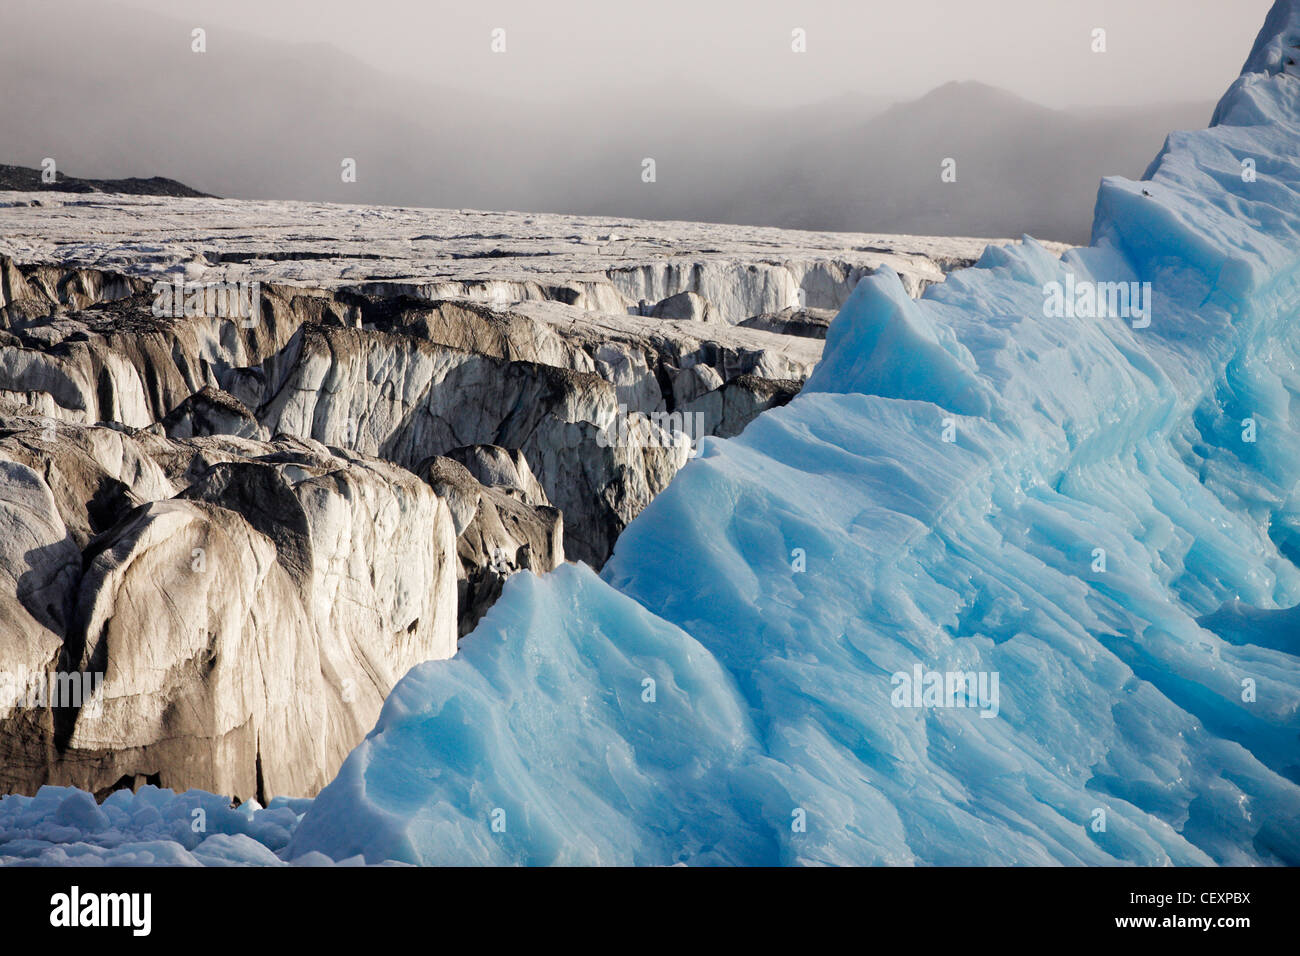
pixel 1100 512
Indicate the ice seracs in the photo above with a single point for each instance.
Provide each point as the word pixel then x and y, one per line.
pixel 1128 729
pixel 936 496
pixel 422 404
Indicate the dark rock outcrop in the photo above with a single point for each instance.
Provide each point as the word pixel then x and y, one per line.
pixel 24 178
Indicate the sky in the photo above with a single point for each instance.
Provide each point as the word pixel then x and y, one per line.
pixel 554 105
pixel 1156 50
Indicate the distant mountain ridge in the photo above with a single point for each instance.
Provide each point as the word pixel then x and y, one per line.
pixel 25 179
pixel 274 120
pixel 1019 167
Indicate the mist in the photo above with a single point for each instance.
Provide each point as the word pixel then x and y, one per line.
pixel 849 133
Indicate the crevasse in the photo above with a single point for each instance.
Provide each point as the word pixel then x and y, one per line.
pixel 1113 530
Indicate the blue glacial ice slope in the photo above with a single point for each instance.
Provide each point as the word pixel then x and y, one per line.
pixel 1100 534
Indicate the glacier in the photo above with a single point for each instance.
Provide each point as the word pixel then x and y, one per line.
pixel 966 484
pixel 1103 512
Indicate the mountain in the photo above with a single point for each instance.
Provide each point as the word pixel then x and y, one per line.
pixel 28 180
pixel 257 118
pixel 1020 167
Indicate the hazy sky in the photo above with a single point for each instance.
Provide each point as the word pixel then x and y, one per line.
pixel 1157 50
pixel 741 128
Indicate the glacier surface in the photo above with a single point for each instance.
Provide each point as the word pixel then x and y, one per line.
pixel 1101 512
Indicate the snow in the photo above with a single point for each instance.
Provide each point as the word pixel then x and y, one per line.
pixel 1126 731
pixel 499 258
pixel 1097 512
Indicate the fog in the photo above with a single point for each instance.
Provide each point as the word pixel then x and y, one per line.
pixel 849 134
